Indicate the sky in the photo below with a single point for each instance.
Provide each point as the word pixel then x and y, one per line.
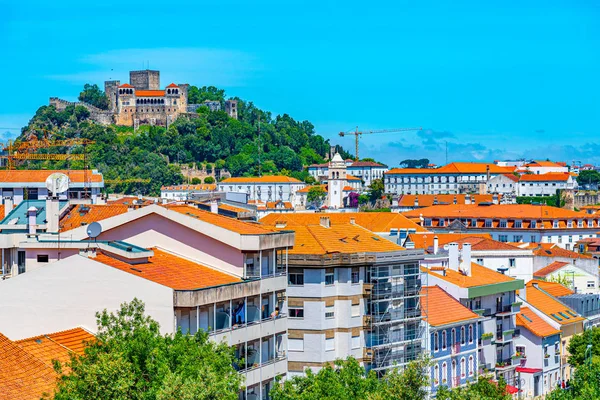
pixel 485 80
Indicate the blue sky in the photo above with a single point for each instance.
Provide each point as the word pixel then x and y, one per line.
pixel 491 79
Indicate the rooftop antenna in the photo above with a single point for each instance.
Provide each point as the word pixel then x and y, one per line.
pixel 94 230
pixel 259 146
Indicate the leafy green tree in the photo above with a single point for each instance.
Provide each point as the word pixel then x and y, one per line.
pixel 588 177
pixel 376 189
pixel 316 195
pixel 579 343
pixel 209 180
pixel 92 94
pixel 132 360
pixel 196 181
pixel 483 389
pixel 198 95
pixel 410 163
pixel 584 383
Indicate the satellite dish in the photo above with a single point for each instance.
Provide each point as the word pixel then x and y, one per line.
pixel 94 229
pixel 57 183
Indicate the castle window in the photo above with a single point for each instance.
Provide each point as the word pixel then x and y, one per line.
pixel 174 101
pixel 168 91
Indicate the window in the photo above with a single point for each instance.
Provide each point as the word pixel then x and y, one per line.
pixel 442 222
pixel 518 224
pixel 427 221
pixel 21 261
pixel 533 224
pixel 296 278
pixel 329 279
pixel 453 337
pixel 356 310
pixel 569 224
pixel 42 258
pixel 555 224
pixel 488 223
pixel 570 239
pixel 463 368
pixel 296 312
pixel 436 343
pixel 329 312
pixel 444 340
pixel 355 276
pixel 471 365
pixel 503 238
pixel 474 223
pixel 503 223
pixel 329 344
pixel 512 262
pixel 533 239
pixel 355 342
pixel 444 372
pixel 480 261
pixel 295 344
pixel 436 375
pixel 517 238
pixel 591 284
pixel 470 333
pixel 463 336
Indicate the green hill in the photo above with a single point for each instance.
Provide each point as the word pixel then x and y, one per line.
pixel 212 138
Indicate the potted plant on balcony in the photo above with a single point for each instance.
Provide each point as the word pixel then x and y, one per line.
pixel 546 355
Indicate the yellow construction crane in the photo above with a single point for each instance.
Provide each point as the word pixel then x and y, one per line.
pixel 127 180
pixel 358 133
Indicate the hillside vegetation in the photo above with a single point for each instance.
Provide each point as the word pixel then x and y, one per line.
pixel 212 139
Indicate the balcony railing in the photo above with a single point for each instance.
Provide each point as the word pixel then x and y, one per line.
pixel 485 312
pixel 455 348
pixel 456 381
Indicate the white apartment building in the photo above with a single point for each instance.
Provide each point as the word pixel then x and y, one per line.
pixel 19 185
pixel 575 278
pixel 351 294
pixel 511 222
pixel 545 185
pixel 454 178
pixel 544 167
pixel 193 270
pixel 365 171
pixel 184 192
pixel 264 188
pixel 505 184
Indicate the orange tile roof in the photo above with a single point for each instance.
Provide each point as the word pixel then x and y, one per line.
pixel 534 324
pixel 23 375
pixel 172 271
pixel 427 200
pixel 483 244
pixel 512 177
pixel 131 200
pixel 274 205
pixel 553 288
pixel 551 176
pixel 497 211
pixel 543 163
pixel 374 222
pixel 172 85
pixel 352 178
pixel 262 179
pixel 548 305
pixel 149 93
pixel 306 189
pixel 231 224
pixel 126 85
pixel 57 346
pixel 205 186
pixel 348 189
pixel 480 276
pixel 424 240
pixel 550 268
pixel 553 250
pixel 455 168
pixel 440 308
pixel 85 214
pixel 338 238
pixel 26 176
pixel 228 207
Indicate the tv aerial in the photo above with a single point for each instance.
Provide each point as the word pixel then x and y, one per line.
pixel 57 183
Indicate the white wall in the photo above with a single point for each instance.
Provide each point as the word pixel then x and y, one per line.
pixel 68 293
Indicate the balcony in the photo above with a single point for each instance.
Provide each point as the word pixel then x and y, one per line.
pixel 504 336
pixel 507 310
pixel 243 333
pixel 484 312
pixel 267 370
pixel 455 349
pixel 507 364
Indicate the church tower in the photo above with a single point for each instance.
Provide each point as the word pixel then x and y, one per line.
pixel 336 181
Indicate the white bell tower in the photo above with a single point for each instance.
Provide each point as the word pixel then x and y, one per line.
pixel 336 181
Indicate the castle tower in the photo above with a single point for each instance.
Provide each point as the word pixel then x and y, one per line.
pixel 231 108
pixel 126 104
pixel 145 80
pixel 110 89
pixel 336 180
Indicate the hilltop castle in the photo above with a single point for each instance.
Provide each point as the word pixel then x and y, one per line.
pixel 141 101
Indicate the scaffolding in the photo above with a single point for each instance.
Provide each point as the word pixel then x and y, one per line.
pixel 396 331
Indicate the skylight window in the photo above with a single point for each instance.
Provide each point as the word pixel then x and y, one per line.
pixel 556 317
pixel 526 317
pixel 564 315
pixel 571 313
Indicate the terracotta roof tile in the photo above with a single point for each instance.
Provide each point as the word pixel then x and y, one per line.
pixel 231 224
pixel 126 85
pixel 480 276
pixel 57 346
pixel 172 271
pixel 428 200
pixel 205 187
pixel 544 163
pixel 271 205
pixel 366 164
pixel 550 268
pixel 533 323
pixel 85 214
pixel 549 177
pixel 26 176
pixel 262 179
pixel 352 178
pixel 338 238
pixel 172 85
pixel 442 309
pixel 553 250
pixel 150 93
pixel 306 189
pixel 229 207
pixel 547 304
pixel 553 288
pixel 374 222
pixel 497 211
pixel 424 240
pixel 23 375
pixel 455 168
pixel 130 200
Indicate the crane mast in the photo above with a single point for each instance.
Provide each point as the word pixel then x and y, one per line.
pixel 358 133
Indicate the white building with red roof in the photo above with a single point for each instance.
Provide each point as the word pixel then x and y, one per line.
pixel 365 171
pixel 545 185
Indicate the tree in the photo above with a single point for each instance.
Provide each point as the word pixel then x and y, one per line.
pixel 410 163
pixel 92 94
pixel 588 177
pixel 578 346
pixel 376 189
pixel 196 181
pixel 353 199
pixel 131 360
pixel 316 195
pixel 483 389
pixel 209 180
pixel 584 383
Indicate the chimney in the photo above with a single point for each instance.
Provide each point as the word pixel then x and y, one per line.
pixel 31 220
pixel 416 201
pixel 214 207
pixel 325 222
pixel 436 244
pixel 8 206
pixel 435 201
pixel 453 256
pixel 495 199
pixel 487 172
pixel 466 259
pixel 353 221
pixel 52 214
pixel 467 199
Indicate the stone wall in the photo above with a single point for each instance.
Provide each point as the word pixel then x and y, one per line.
pixel 110 88
pixel 145 80
pixel 586 198
pixel 98 115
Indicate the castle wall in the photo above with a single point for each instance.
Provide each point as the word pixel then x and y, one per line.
pixel 104 117
pixel 145 80
pixel 110 88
